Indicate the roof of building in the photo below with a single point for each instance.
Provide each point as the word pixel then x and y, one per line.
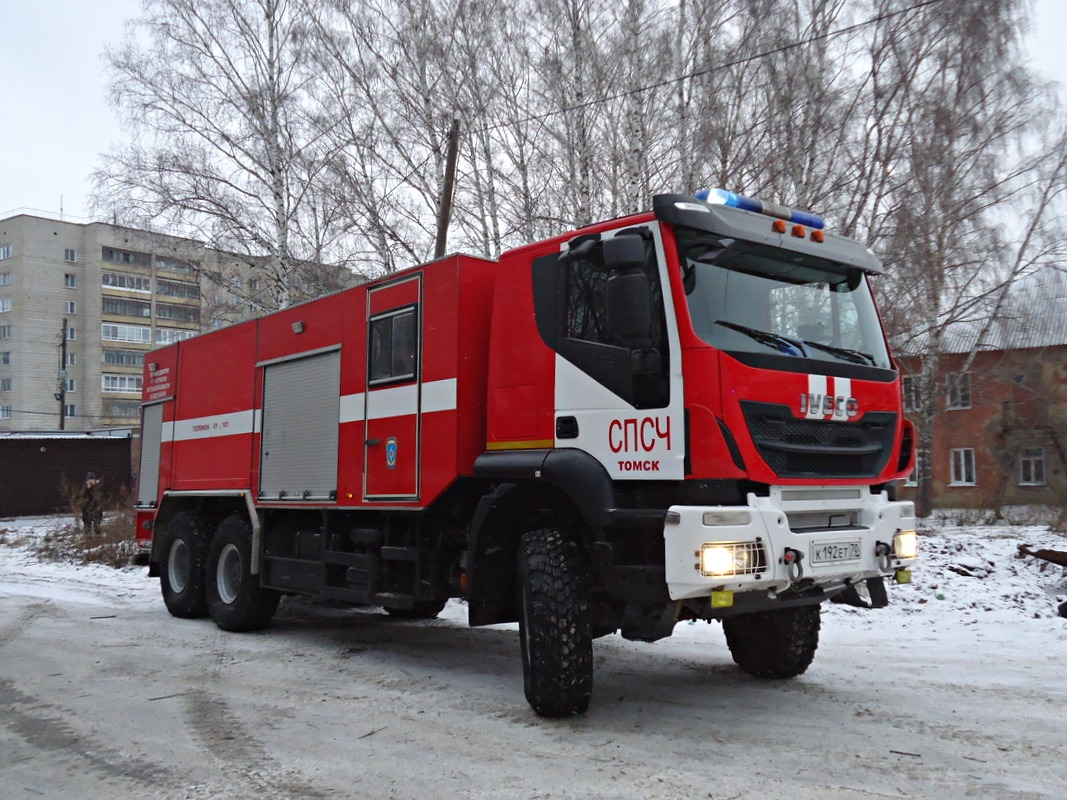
pixel 1034 315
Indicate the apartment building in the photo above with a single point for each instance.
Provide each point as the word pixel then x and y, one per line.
pixel 81 304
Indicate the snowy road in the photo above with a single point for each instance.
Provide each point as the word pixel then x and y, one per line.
pixel 957 690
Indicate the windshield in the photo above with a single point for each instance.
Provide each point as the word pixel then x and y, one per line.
pixel 759 299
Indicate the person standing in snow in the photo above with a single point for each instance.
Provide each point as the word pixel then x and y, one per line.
pixel 92 511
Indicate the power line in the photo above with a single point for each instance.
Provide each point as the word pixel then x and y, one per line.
pixel 707 70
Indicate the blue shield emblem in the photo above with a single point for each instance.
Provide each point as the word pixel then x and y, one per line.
pixel 390 452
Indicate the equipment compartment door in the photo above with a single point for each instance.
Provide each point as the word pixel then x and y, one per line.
pixel 392 445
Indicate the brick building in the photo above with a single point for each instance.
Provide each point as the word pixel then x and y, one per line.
pixel 1000 414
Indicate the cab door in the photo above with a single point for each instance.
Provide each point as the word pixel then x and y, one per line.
pixel 392 412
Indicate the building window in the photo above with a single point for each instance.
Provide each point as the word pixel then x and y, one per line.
pixel 122 408
pixel 170 336
pixel 1032 467
pixel 126 333
pixel 69 386
pixel 5 331
pixel 910 385
pixel 124 358
pixel 123 307
pixel 5 358
pixel 70 307
pixel 133 283
pixel 70 410
pixel 5 384
pixel 116 256
pixel 5 252
pixel 5 412
pixel 72 333
pixel 72 359
pixel 167 288
pixel 5 278
pixel 122 383
pixel 70 281
pixel 179 313
pixel 963 467
pixel 70 255
pixel 255 284
pixel 5 304
pixel 183 267
pixel 959 390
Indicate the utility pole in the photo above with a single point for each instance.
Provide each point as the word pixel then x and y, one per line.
pixel 444 212
pixel 61 395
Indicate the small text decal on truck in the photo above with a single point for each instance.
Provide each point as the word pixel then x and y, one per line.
pixel 638 437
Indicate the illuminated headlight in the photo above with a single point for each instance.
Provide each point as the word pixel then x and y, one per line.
pixel 730 558
pixel 905 544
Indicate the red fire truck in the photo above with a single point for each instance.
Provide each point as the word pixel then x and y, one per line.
pixel 685 414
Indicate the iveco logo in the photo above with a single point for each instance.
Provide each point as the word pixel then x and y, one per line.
pixel 827 404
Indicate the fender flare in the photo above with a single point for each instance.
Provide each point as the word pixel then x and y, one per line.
pixel 499 520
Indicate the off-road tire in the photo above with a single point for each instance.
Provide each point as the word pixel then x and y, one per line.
pixel 428 609
pixel 183 568
pixel 236 601
pixel 555 633
pixel 774 644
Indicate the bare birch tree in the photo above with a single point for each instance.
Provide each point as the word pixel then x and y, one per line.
pixel 220 104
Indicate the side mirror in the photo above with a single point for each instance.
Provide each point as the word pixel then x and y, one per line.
pixel 629 317
pixel 624 253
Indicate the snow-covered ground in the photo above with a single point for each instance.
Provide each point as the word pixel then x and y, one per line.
pixel 956 690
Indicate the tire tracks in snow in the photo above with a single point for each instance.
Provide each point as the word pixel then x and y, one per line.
pixel 44 727
pixel 229 740
pixel 26 617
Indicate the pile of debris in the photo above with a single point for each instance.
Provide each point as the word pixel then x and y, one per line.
pixel 1058 557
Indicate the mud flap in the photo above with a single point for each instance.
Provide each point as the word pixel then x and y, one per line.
pixel 875 589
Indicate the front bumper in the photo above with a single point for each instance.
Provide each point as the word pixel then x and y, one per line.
pixel 815 536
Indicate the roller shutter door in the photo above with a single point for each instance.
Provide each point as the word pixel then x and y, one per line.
pixel 300 422
pixel 151 439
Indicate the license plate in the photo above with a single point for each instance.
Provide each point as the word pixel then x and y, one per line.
pixel 835 552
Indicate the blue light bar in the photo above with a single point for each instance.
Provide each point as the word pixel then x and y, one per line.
pixel 720 197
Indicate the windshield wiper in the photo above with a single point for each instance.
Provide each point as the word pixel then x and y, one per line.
pixel 782 344
pixel 846 353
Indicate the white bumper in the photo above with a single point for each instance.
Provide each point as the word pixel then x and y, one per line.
pixel 822 534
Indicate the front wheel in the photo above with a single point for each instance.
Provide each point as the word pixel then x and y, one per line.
pixel 236 601
pixel 555 633
pixel 182 572
pixel 774 644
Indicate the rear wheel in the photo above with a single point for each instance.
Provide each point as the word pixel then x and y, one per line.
pixel 182 575
pixel 774 644
pixel 554 628
pixel 236 601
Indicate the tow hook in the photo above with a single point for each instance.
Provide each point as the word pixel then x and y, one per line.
pixel 792 558
pixel 882 552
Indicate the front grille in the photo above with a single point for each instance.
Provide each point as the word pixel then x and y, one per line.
pixel 813 448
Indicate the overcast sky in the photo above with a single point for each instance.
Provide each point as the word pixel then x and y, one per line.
pixel 55 120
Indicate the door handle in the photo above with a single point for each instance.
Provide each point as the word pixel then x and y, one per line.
pixel 372 442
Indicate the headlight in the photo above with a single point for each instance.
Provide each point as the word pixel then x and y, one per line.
pixel 731 558
pixel 905 544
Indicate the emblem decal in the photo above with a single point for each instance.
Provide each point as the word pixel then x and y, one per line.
pixel 829 398
pixel 390 452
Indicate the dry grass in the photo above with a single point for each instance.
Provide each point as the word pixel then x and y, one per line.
pixel 113 545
